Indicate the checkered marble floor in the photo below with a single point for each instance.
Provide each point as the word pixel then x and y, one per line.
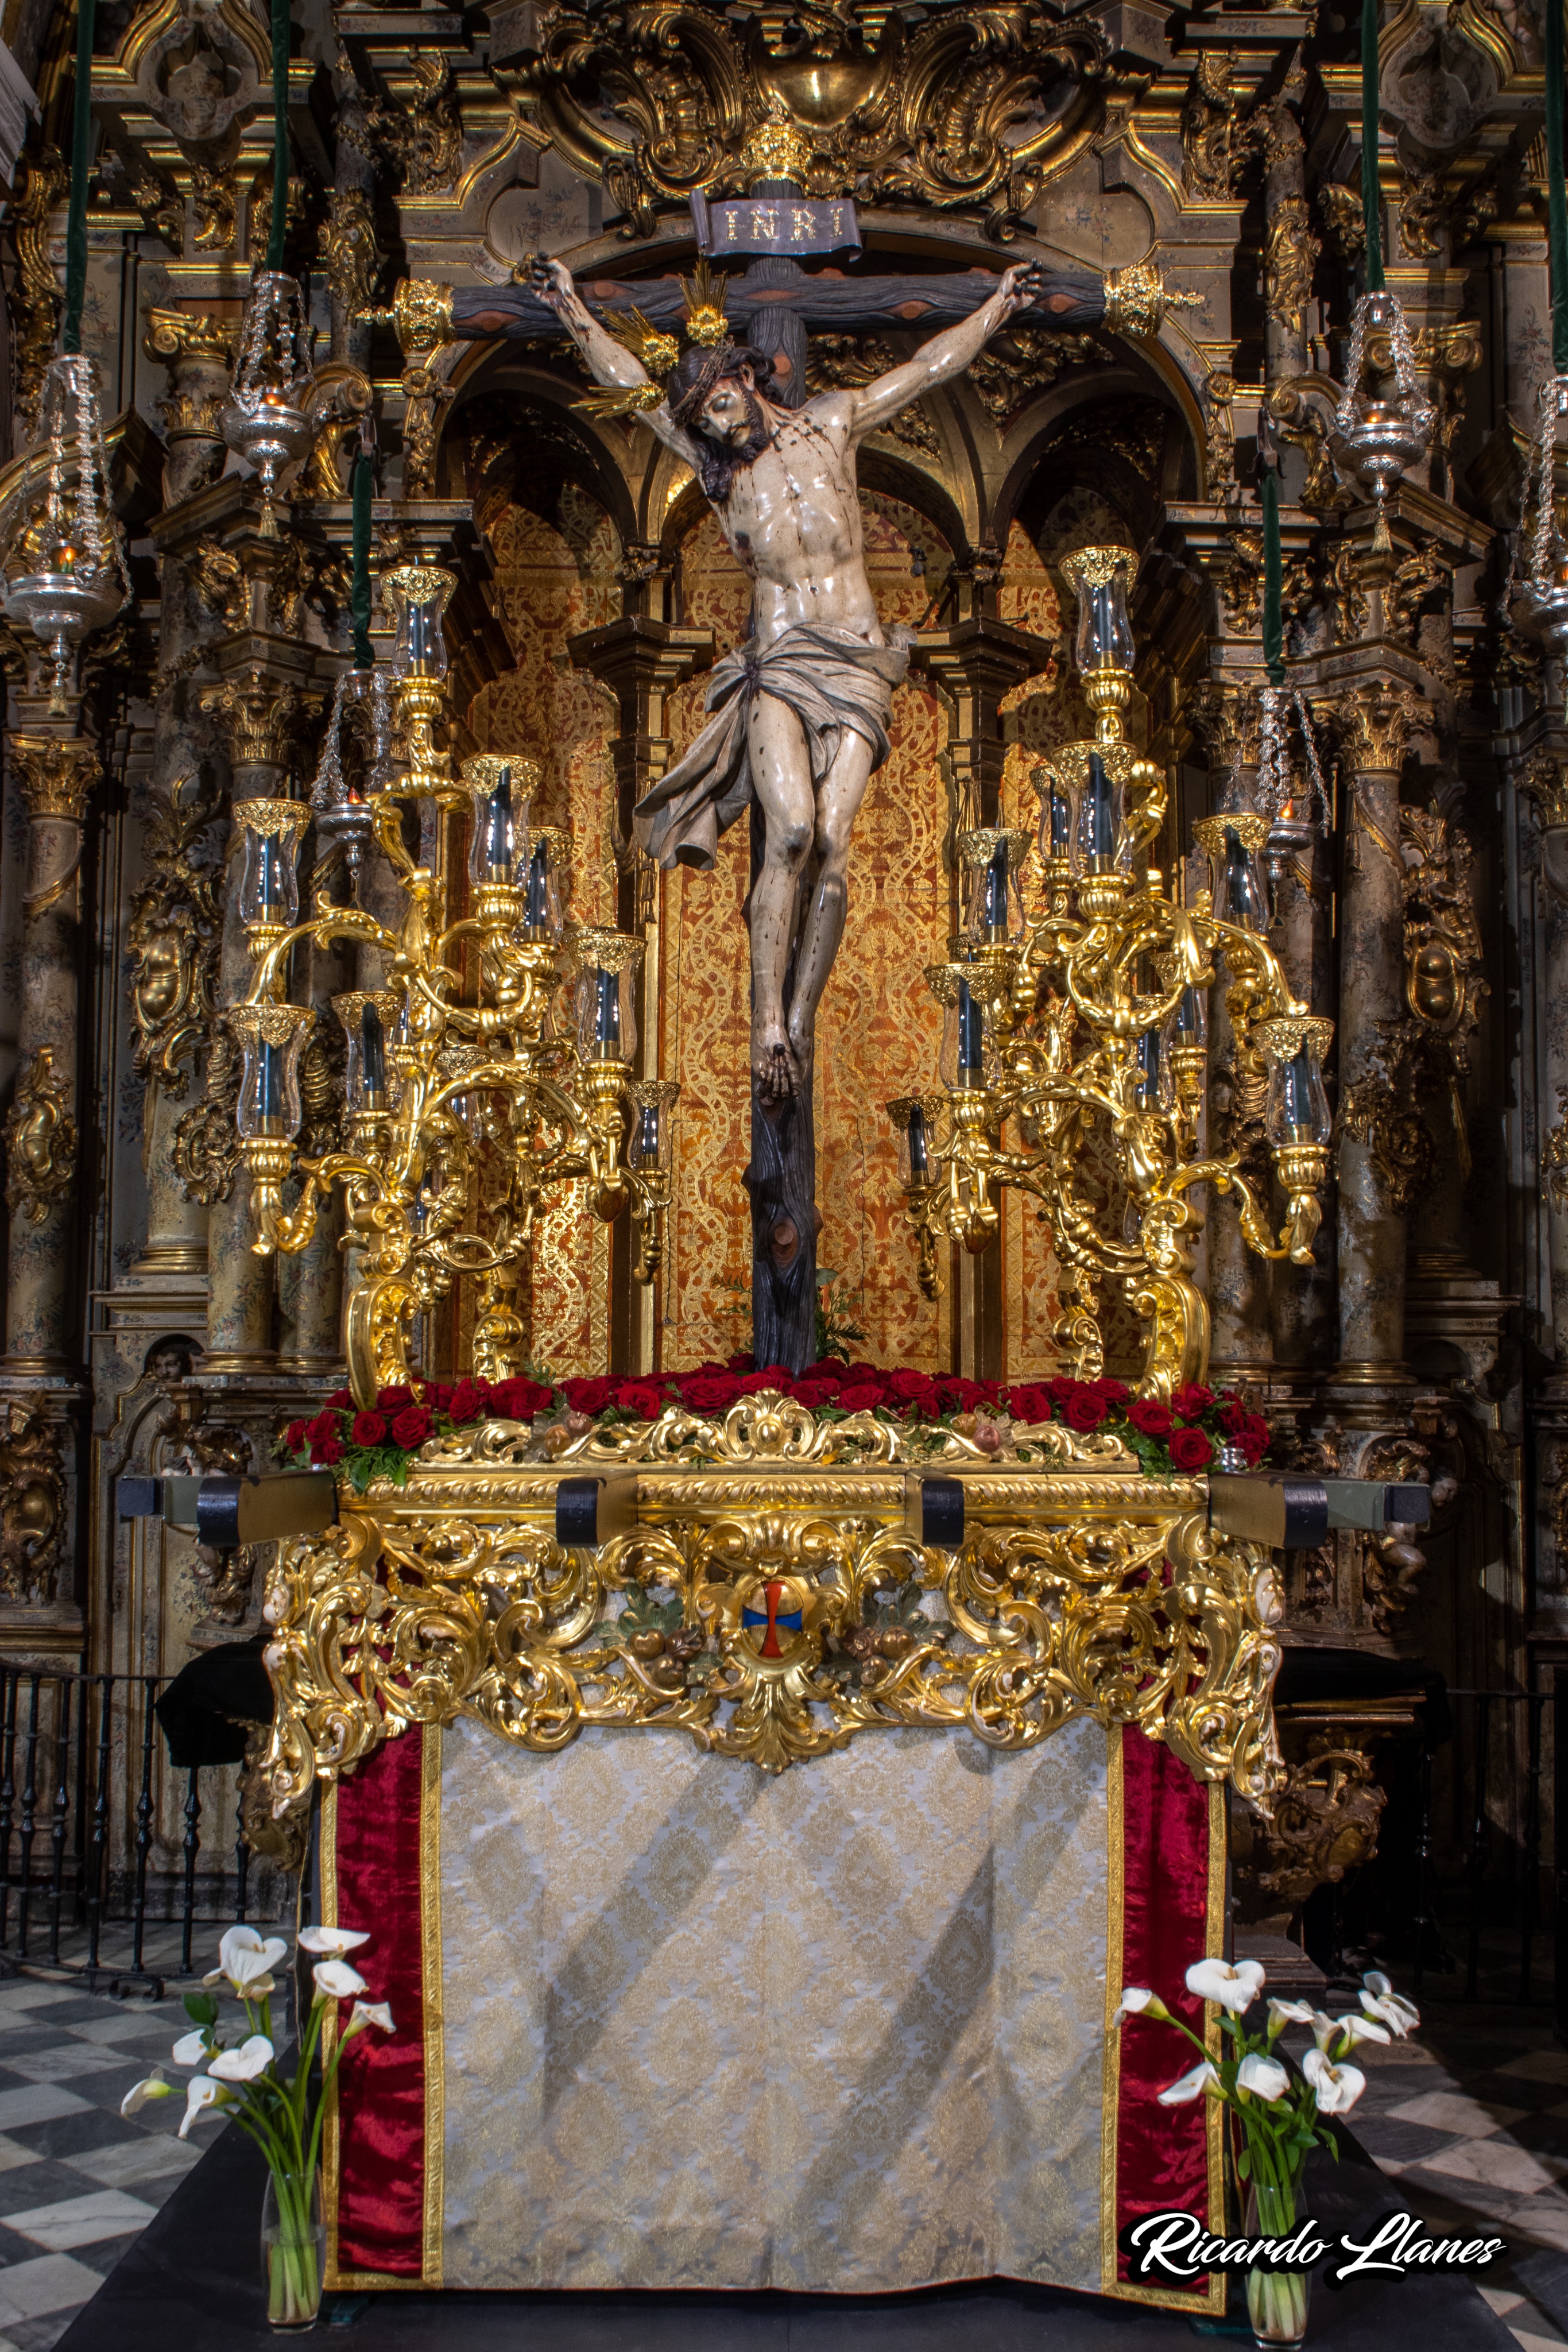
pixel 77 2181
pixel 1470 2117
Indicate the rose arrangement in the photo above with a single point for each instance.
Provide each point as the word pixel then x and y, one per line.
pixel 1184 1435
pixel 242 2079
pixel 1274 2116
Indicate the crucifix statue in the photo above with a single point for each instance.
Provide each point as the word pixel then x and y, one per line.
pixel 801 708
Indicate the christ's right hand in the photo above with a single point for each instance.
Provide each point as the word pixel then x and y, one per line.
pixel 551 280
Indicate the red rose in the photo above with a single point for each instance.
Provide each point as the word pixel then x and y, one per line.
pixel 468 1401
pixel 744 1362
pixel 1253 1437
pixel 1063 1387
pixel 369 1429
pixel 709 1392
pixel 911 1387
pixel 325 1452
pixel 815 1393
pixel 1191 1450
pixel 412 1426
pixel 829 1368
pixel 583 1396
pixel 393 1399
pixel 1190 1403
pixel 1149 1416
pixel 294 1437
pixel 438 1397
pixel 862 1396
pixel 325 1426
pixel 342 1399
pixel 963 1396
pixel 1030 1402
pixel 1114 1392
pixel 1233 1416
pixel 771 1376
pixel 524 1400
pixel 1084 1410
pixel 644 1398
pixel 865 1372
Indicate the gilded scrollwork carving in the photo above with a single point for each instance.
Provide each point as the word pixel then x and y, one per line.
pixel 423 141
pixel 1402 1153
pixel 975 107
pixel 348 249
pixel 218 581
pixel 258 715
pixel 40 1140
pixel 33 1514
pixel 1290 255
pixel 217 203
pixel 35 294
pixel 1554 1160
pixel 1445 964
pixel 205 1150
pixel 1326 1818
pixel 175 932
pixel 1208 126
pixel 771 1630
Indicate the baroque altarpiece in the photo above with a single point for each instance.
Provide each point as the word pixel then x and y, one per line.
pixel 1414 849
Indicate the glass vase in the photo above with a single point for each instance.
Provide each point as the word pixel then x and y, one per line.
pixel 1277 2300
pixel 293 2251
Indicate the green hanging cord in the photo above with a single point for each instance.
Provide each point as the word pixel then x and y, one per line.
pixel 1371 192
pixel 279 134
pixel 359 576
pixel 1273 613
pixel 81 165
pixel 1556 201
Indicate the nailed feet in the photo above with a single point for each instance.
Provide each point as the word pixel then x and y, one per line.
pixel 777 1074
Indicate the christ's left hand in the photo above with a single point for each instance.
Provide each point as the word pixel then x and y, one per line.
pixel 1021 285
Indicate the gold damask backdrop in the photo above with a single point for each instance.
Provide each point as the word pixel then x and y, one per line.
pixel 879 1026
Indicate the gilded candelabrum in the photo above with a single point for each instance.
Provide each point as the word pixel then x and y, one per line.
pixel 455 1068
pixel 1078 1019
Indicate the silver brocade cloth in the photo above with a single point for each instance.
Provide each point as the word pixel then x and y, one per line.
pixel 843 2029
pixel 829 677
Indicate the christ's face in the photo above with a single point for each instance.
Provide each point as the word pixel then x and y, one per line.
pixel 730 413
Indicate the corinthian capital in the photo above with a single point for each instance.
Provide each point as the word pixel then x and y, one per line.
pixel 1547 784
pixel 55 774
pixel 175 336
pixel 259 717
pixel 1225 719
pixel 1376 719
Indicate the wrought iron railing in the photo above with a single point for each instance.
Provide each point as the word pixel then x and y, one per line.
pixel 98 1831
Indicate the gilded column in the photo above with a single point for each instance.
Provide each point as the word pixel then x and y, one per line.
pixel 1374 1148
pixel 256 714
pixel 57 775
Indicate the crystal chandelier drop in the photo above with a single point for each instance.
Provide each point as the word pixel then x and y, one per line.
pixel 66 573
pixel 1075 1004
pixel 343 813
pixel 263 418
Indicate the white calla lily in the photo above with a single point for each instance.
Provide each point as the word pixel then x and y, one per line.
pixel 326 1942
pixel 368 2012
pixel 200 2096
pixel 1265 2078
pixel 151 2086
pixel 1190 2086
pixel 337 1979
pixel 1235 1989
pixel 1335 2088
pixel 1138 2001
pixel 1362 2029
pixel 189 2050
pixel 1289 2012
pixel 1387 2004
pixel 243 2065
pixel 245 1960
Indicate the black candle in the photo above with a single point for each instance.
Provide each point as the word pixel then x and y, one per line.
pixel 1061 824
pixel 373 1058
pixel 496 858
pixel 416 649
pixel 269 1088
pixel 648 1136
pixel 1101 816
pixel 971 1033
pixel 607 1015
pixel 994 894
pixel 1297 1076
pixel 536 908
pixel 919 1148
pixel 271 885
pixel 1189 1017
pixel 1243 899
pixel 1148 1087
pixel 1102 626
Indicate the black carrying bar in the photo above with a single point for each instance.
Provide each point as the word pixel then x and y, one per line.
pixel 1295 1514
pixel 226 1512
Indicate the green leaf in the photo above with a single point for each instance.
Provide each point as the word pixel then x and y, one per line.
pixel 1244 2164
pixel 201 2008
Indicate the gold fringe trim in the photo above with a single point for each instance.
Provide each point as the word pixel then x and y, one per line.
pixel 434 2037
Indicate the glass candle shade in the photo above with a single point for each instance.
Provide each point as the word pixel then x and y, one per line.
pixel 914 1117
pixel 1100 835
pixel 269 879
pixel 1152 1087
pixel 1101 577
pixel 1057 816
pixel 653 1106
pixel 271 1038
pixel 419 592
pixel 1232 842
pixel 368 1016
pixel 605 999
pixel 991 861
pixel 1298 1105
pixel 502 785
pixel 539 884
pixel 956 987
